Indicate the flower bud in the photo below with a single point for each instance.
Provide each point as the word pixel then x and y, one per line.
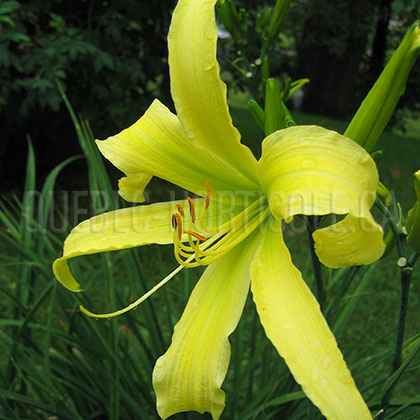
pixel 413 221
pixel 376 109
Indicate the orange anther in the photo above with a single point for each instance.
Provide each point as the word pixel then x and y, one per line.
pixel 206 205
pixel 178 224
pixel 196 235
pixel 180 209
pixel 192 209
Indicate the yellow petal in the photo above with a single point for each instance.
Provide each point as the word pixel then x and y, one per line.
pixel 189 375
pixel 353 241
pixel 294 323
pixel 198 92
pixel 130 227
pixel 311 170
pixel 156 144
pixel 131 187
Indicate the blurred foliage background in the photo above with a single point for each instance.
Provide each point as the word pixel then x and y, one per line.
pixel 111 58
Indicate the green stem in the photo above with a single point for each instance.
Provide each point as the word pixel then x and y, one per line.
pixel 316 264
pixel 406 274
pixel 393 226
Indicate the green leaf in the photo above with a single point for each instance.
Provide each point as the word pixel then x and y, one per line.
pixel 391 384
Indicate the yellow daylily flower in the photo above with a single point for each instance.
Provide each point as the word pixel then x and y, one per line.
pixel 235 228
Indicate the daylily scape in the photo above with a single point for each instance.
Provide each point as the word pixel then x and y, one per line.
pixel 235 228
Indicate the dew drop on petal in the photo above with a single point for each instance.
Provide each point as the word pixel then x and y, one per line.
pixel 189 132
pixel 326 361
pixel 324 383
pixel 308 163
pixel 315 373
pixel 205 8
pixel 304 141
pixel 209 62
pixel 344 377
pixel 364 158
pixel 209 32
pixel 109 154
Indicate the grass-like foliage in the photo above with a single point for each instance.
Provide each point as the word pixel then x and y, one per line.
pixel 59 364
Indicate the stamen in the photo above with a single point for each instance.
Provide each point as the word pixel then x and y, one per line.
pixel 225 237
pixel 196 235
pixel 174 222
pixel 192 209
pixel 178 225
pixel 139 300
pixel 206 205
pixel 180 209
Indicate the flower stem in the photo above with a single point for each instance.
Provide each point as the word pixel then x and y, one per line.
pixel 406 274
pixel 316 264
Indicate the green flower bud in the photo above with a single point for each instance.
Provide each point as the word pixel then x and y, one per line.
pixel 281 9
pixel 376 109
pixel 413 220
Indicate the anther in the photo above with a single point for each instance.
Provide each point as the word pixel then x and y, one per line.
pixel 192 209
pixel 174 222
pixel 180 209
pixel 178 225
pixel 196 235
pixel 206 205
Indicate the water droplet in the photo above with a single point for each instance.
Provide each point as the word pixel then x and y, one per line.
pixel 314 344
pixel 304 141
pixel 315 372
pixel 159 109
pixel 326 361
pixel 205 7
pixel 308 163
pixel 364 158
pixel 324 383
pixel 109 154
pixel 210 31
pixel 189 132
pixel 209 62
pixel 344 377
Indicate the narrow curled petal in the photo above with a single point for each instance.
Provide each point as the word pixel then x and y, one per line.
pixel 311 170
pixel 189 375
pixel 131 187
pixel 353 241
pixel 294 323
pixel 198 92
pixel 156 144
pixel 127 228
